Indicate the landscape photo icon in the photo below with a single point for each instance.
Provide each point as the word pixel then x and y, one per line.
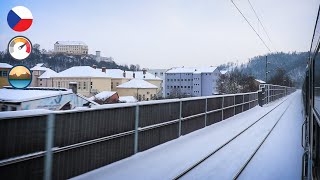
pixel 20 77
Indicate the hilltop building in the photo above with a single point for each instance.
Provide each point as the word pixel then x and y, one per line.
pixel 192 81
pixel 71 47
pixel 4 72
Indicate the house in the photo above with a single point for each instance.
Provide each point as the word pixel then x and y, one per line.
pixel 4 71
pixel 161 73
pixel 140 89
pixel 89 81
pixel 191 81
pixel 41 76
pixel 41 98
pixel 119 77
pixel 257 82
pixel 106 97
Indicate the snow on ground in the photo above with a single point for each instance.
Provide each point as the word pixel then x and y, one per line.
pixel 169 159
pixel 226 163
pixel 281 154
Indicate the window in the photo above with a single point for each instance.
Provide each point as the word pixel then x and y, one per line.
pixel 161 73
pixel 188 87
pixel 168 94
pixel 174 86
pixel 174 79
pixel 84 85
pixel 171 86
pixel 40 84
pixel 178 79
pixel 111 85
pixel 59 84
pixel 143 97
pixel 4 73
pixel 13 108
pixel 40 79
pixel 148 93
pixel 185 86
pixel 168 87
pixel 79 85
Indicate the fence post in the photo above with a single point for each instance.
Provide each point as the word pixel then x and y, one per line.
pixel 234 105
pixel 206 116
pixel 180 117
pixel 222 108
pixel 136 130
pixel 49 145
pixel 242 102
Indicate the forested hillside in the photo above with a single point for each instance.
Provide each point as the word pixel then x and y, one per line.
pixel 294 65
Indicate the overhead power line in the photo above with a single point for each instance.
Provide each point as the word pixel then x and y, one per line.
pixel 251 26
pixel 264 29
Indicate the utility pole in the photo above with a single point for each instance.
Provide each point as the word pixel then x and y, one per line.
pixel 266 69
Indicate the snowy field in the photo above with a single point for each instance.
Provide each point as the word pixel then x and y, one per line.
pixel 170 159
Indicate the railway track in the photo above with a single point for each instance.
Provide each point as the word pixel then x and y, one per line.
pixel 231 140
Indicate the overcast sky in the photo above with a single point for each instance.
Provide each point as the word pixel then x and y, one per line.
pixel 168 33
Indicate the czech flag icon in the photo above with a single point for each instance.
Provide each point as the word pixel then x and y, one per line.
pixel 20 18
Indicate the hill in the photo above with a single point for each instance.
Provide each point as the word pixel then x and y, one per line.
pixel 60 62
pixel 293 63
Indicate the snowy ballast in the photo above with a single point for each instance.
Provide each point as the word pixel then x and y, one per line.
pixel 137 84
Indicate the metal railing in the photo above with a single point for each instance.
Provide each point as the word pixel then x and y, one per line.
pixel 64 144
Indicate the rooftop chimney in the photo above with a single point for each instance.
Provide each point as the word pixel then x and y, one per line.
pixel 94 66
pixel 124 73
pixel 104 69
pixel 73 87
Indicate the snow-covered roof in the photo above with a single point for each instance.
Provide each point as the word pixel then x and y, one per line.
pixel 223 71
pixel 260 81
pixel 39 67
pixel 48 74
pixel 81 71
pixel 5 65
pixel 138 84
pixel 20 95
pixel 127 99
pixel 192 70
pixel 71 43
pixel 103 95
pixel 118 73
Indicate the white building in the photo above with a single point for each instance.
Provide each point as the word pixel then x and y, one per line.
pixel 71 47
pixel 161 73
pixel 183 81
pixel 41 76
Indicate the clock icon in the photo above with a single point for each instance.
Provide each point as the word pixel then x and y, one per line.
pixel 19 47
